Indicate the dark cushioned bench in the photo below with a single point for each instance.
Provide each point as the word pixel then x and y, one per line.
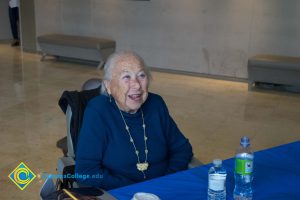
pixel 79 47
pixel 274 69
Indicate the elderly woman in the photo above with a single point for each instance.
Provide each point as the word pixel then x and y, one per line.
pixel 128 135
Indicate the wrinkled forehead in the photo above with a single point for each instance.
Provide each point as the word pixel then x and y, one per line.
pixel 127 63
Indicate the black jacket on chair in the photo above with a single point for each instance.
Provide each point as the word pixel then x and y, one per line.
pixel 77 101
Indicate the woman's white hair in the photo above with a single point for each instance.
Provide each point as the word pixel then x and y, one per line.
pixel 112 62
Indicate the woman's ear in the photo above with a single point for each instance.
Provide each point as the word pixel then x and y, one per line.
pixel 107 86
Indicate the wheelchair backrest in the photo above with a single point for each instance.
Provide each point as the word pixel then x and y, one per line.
pixel 73 104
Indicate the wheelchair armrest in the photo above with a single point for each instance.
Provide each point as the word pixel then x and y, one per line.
pixel 64 162
pixel 65 167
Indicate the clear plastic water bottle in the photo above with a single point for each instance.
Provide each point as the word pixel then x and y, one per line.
pixel 243 171
pixel 216 181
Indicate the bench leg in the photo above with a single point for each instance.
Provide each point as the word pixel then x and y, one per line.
pixel 43 57
pixel 251 84
pixel 100 66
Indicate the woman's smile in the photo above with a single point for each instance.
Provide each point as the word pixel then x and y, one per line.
pixel 135 97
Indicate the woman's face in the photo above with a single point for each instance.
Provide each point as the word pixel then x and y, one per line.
pixel 129 84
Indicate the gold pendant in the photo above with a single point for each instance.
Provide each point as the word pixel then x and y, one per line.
pixel 142 166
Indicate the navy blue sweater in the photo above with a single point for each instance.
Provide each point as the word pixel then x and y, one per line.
pixel 106 155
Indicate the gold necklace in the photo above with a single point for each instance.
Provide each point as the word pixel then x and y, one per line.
pixel 144 165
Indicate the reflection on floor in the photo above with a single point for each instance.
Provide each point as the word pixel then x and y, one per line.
pixel 213 114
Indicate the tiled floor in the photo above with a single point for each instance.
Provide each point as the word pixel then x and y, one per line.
pixel 213 114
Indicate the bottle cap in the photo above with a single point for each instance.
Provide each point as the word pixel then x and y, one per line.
pixel 217 162
pixel 245 141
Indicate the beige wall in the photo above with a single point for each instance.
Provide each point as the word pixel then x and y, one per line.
pixel 27 20
pixel 5 32
pixel 213 37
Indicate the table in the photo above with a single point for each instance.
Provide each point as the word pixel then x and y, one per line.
pixel 276 176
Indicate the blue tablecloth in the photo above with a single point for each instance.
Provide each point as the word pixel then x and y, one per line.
pixel 276 176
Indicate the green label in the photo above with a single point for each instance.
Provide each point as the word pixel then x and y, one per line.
pixel 244 167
